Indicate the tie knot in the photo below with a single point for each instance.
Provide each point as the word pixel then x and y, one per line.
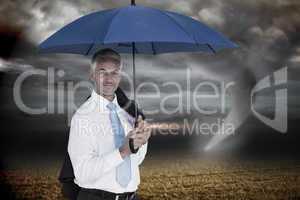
pixel 111 106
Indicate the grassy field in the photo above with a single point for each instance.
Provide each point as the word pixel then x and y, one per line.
pixel 181 177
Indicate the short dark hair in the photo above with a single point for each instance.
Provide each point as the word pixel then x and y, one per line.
pixel 105 54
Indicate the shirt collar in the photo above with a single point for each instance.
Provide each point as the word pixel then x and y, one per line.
pixel 103 102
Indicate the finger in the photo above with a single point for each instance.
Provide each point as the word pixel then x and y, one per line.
pixel 140 121
pixel 136 145
pixel 146 129
pixel 132 137
pixel 140 125
pixel 142 141
pixel 147 133
pixel 140 137
pixel 131 134
pixel 147 125
pixel 140 118
pixel 140 130
pixel 138 142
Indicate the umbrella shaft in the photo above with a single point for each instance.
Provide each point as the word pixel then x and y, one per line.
pixel 133 74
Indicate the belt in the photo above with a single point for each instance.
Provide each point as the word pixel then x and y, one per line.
pixel 110 195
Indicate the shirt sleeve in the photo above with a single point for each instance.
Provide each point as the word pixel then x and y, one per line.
pixel 87 164
pixel 142 153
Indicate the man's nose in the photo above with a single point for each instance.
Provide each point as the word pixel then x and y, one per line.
pixel 108 78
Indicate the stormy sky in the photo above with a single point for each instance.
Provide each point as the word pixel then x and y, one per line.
pixel 267 32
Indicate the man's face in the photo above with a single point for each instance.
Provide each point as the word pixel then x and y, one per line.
pixel 107 77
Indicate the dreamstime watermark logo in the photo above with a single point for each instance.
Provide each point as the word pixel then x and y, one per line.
pixel 279 122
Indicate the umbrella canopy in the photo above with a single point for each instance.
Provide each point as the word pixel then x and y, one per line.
pixel 135 29
pixel 149 30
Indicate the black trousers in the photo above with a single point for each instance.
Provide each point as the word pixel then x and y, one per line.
pixel 84 195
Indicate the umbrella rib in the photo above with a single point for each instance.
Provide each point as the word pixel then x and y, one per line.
pixel 153 49
pixel 211 48
pixel 112 19
pixel 192 38
pixel 92 45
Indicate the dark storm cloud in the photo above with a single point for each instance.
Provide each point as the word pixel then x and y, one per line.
pixel 265 30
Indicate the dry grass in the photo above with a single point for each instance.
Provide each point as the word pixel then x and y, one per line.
pixel 183 178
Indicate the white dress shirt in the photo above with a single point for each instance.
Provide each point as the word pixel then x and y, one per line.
pixel 92 150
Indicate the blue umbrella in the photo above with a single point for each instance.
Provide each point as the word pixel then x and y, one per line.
pixel 135 29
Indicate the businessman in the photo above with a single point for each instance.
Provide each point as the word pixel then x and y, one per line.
pixel 104 145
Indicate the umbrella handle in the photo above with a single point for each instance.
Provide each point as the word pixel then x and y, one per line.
pixel 131 146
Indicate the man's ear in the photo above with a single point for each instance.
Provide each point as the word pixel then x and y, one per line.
pixel 91 75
